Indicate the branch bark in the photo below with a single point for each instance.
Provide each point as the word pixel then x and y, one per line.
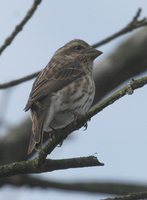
pixel 27 167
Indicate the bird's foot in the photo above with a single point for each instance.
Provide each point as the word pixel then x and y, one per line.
pixel 85 126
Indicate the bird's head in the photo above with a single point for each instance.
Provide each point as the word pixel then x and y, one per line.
pixel 79 48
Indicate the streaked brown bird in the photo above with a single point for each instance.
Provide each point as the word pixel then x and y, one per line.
pixel 63 90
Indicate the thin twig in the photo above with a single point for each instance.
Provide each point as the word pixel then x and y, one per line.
pixel 20 26
pixel 31 166
pixel 18 81
pixel 134 24
pixel 58 137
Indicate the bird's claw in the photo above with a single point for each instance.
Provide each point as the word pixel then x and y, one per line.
pixel 85 126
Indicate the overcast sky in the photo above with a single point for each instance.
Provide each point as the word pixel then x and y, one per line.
pixel 118 134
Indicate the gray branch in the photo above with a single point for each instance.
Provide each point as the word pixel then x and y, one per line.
pixel 127 61
pixel 31 166
pixel 135 23
pixel 104 187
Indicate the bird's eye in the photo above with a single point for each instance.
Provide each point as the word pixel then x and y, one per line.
pixel 78 47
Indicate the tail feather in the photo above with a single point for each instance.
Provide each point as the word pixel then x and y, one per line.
pixel 39 111
pixel 37 131
pixel 32 144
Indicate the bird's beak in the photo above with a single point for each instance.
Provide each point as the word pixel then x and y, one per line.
pixel 94 53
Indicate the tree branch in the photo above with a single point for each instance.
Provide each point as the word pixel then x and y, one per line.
pixel 127 61
pixel 18 81
pixel 58 137
pixel 132 196
pixel 20 26
pixel 109 187
pixel 27 167
pixel 134 24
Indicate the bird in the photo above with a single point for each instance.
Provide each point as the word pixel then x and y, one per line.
pixel 63 91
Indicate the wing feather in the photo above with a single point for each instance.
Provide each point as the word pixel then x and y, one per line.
pixel 52 79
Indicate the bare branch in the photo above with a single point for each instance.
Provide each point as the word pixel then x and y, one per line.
pixel 134 24
pixel 18 81
pixel 103 187
pixel 58 137
pixel 127 61
pixel 27 167
pixel 20 26
pixel 132 196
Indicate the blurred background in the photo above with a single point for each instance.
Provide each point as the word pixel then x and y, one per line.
pixel 118 134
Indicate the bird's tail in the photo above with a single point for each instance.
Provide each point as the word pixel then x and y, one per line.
pixel 37 131
pixel 32 144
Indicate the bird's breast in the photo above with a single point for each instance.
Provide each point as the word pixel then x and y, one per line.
pixel 72 101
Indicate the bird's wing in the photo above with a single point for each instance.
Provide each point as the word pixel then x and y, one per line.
pixel 52 79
